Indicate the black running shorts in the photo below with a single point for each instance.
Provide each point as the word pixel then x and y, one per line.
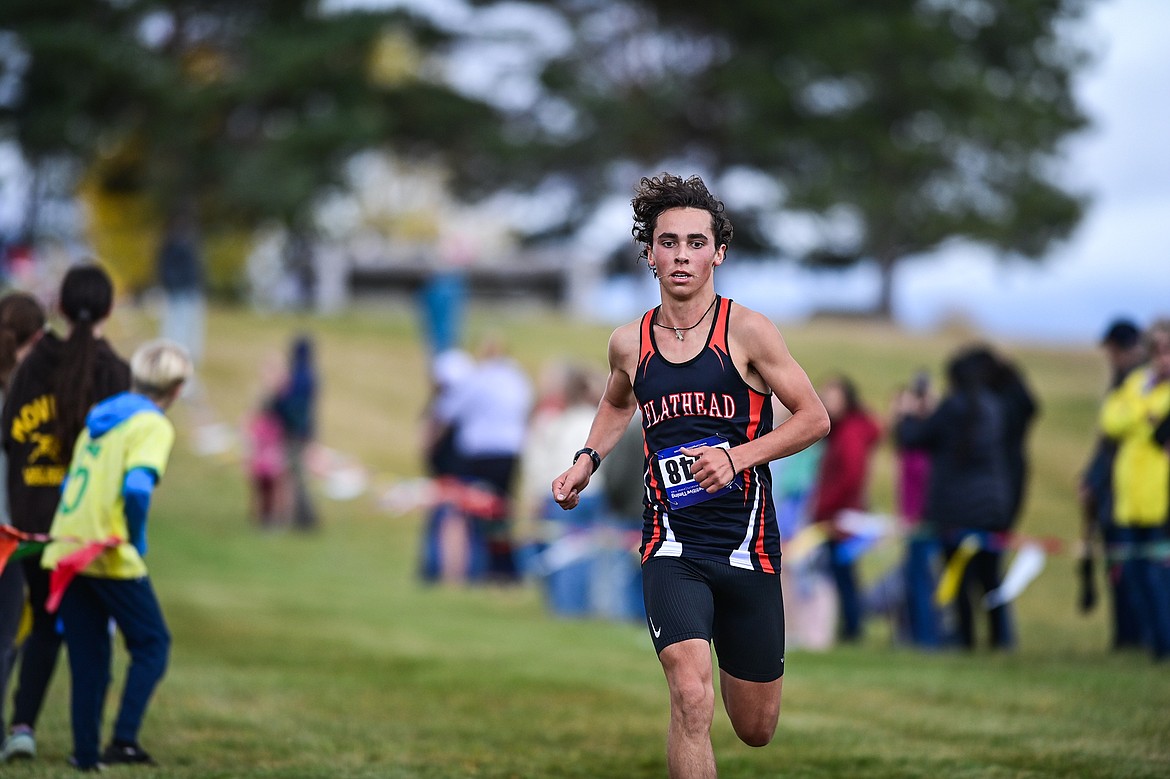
pixel 740 611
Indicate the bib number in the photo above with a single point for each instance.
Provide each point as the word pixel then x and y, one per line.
pixel 674 469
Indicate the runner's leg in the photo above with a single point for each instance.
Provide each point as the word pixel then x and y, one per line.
pixel 687 665
pixel 752 707
pixel 679 611
pixel 749 641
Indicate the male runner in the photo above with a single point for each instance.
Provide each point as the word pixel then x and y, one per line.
pixel 702 370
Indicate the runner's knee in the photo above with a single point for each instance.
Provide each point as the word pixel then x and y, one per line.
pixel 757 733
pixel 693 703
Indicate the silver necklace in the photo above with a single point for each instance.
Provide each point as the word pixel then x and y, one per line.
pixel 678 331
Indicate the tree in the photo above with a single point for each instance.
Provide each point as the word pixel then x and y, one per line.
pixel 242 111
pixel 908 122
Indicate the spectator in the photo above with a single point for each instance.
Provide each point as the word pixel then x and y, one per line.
pixel 1019 413
pixel 449 370
pixel 22 323
pixel 842 485
pixel 296 404
pixel 266 466
pixel 1133 416
pixel 550 400
pixel 266 454
pixel 557 430
pixel 923 621
pixel 810 595
pixel 1124 352
pixel 968 492
pixel 444 548
pixel 1019 410
pixel 180 273
pixel 552 439
pixel 442 301
pixel 120 457
pixel 490 415
pixel 50 394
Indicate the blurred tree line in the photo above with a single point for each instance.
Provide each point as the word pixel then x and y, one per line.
pixel 891 126
pixel 239 112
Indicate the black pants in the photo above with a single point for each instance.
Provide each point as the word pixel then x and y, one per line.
pixel 497 474
pixel 11 610
pixel 38 655
pixel 981 576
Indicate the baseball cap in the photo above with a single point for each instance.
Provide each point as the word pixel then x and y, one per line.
pixel 1122 333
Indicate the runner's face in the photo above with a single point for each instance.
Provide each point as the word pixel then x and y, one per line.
pixel 684 250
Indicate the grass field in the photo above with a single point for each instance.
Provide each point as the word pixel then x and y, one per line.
pixel 321 656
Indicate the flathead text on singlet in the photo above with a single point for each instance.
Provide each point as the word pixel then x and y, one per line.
pixel 687 404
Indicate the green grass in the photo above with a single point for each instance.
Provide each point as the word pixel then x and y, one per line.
pixel 322 656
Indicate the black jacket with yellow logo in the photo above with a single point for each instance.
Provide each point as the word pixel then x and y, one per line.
pixel 37 461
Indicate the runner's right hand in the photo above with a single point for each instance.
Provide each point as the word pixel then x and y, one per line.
pixel 566 488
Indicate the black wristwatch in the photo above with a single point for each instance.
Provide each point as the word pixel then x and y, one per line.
pixel 593 455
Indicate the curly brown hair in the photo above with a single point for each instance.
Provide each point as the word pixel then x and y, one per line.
pixel 655 195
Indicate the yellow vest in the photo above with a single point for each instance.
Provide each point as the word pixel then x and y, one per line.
pixel 1141 470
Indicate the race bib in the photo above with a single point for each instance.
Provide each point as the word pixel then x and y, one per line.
pixel 674 470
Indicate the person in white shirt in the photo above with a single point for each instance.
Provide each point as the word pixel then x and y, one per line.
pixel 490 416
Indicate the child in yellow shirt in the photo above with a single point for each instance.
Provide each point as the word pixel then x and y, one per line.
pixel 117 462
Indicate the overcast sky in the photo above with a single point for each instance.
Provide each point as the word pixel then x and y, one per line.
pixel 1118 262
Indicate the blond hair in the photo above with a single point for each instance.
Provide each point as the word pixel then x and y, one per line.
pixel 158 368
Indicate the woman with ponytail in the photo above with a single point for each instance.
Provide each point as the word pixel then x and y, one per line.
pixel 22 321
pixel 44 412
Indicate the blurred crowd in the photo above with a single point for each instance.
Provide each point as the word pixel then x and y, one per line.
pixel 494 442
pixel 960 476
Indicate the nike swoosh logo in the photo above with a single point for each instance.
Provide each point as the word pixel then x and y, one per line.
pixel 656 631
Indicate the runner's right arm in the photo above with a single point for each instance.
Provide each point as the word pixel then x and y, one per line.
pixel 613 416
